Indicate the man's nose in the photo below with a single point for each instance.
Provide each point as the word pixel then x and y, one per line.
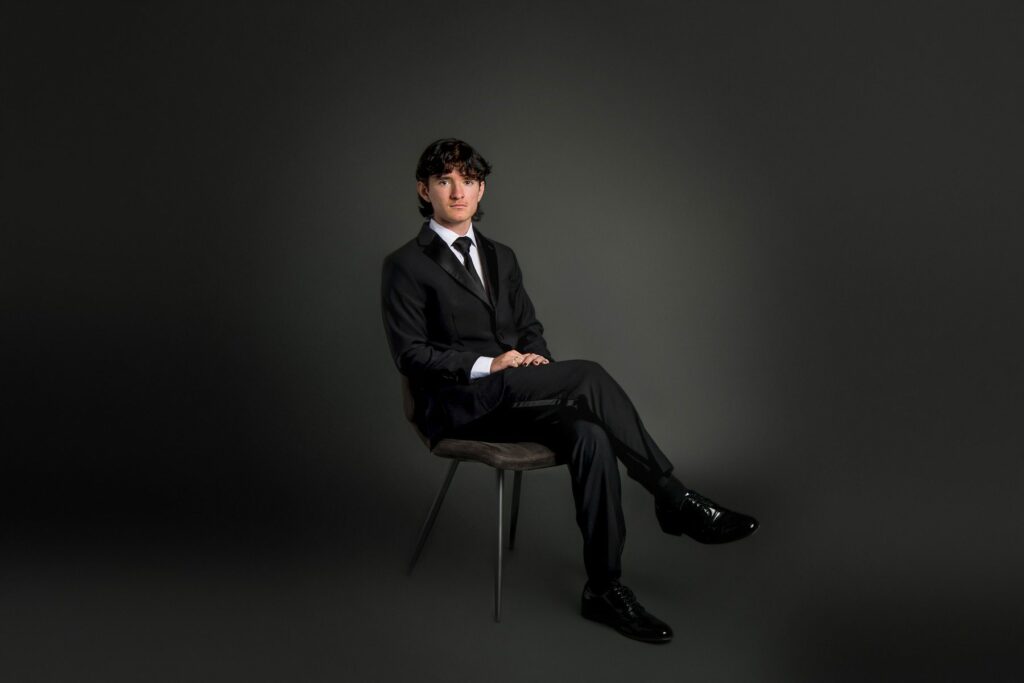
pixel 456 190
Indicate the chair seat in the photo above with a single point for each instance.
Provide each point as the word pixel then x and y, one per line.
pixel 522 455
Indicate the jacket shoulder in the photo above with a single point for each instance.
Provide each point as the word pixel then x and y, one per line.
pixel 404 254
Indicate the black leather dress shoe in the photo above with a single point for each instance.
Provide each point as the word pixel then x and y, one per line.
pixel 688 512
pixel 618 607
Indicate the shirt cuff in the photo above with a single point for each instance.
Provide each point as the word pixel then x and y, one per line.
pixel 481 368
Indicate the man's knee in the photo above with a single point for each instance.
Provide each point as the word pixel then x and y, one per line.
pixel 590 365
pixel 587 370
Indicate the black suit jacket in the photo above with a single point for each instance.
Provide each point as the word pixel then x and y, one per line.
pixel 438 322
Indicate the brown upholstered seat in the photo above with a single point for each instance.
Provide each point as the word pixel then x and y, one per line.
pixel 524 455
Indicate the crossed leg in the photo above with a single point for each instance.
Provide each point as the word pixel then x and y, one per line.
pixel 577 408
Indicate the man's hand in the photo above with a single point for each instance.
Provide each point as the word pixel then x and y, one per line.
pixel 514 359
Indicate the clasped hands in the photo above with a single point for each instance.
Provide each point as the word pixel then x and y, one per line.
pixel 514 359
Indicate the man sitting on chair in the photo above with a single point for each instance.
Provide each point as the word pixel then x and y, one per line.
pixel 461 327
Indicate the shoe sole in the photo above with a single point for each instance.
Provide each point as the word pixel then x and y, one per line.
pixel 595 614
pixel 666 525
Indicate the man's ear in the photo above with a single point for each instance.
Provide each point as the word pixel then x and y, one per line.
pixel 421 190
pixel 483 186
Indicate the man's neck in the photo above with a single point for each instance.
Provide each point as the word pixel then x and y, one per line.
pixel 461 228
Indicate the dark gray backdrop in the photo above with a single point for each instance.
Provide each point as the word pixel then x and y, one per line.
pixel 791 231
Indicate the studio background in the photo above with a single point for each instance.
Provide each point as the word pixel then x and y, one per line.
pixel 790 230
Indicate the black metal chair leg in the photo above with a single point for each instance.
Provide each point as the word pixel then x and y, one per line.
pixel 517 484
pixel 501 543
pixel 429 524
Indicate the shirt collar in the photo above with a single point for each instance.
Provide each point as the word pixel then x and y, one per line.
pixel 449 236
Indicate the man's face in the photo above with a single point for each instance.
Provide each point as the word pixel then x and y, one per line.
pixel 453 196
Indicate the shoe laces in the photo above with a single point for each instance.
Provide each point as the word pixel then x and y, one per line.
pixel 708 507
pixel 623 598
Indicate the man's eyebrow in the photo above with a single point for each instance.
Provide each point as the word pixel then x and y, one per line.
pixel 448 176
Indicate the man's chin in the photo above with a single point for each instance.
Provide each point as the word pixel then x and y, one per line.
pixel 455 219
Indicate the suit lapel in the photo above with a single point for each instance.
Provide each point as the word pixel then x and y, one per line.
pixel 490 261
pixel 438 251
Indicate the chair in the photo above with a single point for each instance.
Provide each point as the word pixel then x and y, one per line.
pixel 517 457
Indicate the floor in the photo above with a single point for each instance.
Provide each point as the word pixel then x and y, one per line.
pixel 163 600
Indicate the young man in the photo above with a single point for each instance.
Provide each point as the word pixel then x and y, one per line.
pixel 461 327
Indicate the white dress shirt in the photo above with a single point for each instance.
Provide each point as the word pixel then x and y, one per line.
pixel 482 366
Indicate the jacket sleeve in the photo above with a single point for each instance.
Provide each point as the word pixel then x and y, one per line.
pixel 529 330
pixel 403 306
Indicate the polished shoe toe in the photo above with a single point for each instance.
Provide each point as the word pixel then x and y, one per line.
pixel 618 607
pixel 701 518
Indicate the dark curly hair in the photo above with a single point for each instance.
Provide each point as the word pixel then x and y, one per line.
pixel 440 157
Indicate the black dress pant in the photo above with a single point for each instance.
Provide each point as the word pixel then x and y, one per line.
pixel 579 411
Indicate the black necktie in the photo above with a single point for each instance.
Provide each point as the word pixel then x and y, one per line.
pixel 463 244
